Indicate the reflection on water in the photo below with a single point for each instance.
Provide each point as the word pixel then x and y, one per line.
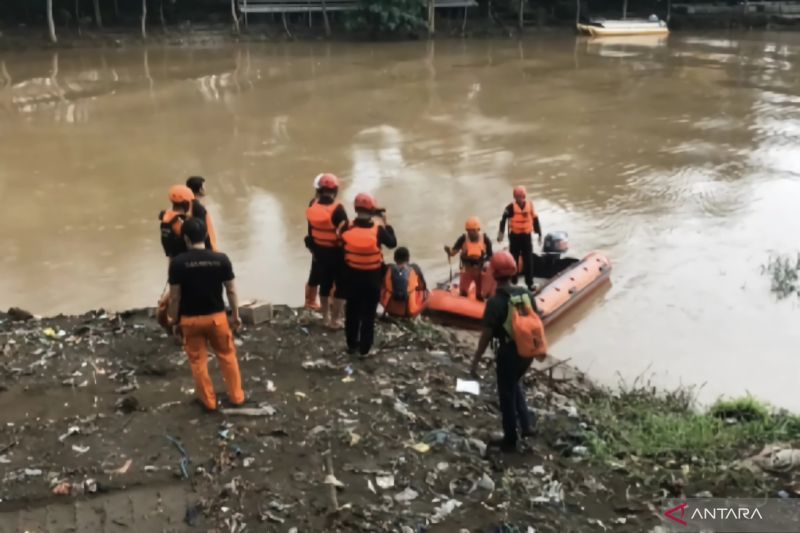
pixel 674 155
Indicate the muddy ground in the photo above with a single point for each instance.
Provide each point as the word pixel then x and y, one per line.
pixel 97 408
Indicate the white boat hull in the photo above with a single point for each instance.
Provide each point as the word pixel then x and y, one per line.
pixel 621 28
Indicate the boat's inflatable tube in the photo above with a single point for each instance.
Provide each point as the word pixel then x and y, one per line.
pixel 558 295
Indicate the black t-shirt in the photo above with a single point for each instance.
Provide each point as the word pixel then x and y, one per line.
pixel 201 275
pixel 200 211
pixel 496 311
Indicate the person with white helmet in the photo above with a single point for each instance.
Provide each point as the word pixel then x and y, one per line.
pixel 326 218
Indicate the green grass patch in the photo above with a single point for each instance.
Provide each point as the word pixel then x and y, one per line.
pixel 784 273
pixel 649 424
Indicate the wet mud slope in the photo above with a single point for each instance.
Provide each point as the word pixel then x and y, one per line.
pixel 100 433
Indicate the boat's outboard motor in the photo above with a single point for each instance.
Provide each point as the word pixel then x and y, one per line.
pixel 556 243
pixel 550 263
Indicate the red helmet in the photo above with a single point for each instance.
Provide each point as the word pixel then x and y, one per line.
pixel 327 181
pixel 503 264
pixel 180 194
pixel 473 223
pixel 365 202
pixel 520 193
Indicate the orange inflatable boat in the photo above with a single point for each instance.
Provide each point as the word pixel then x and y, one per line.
pixel 569 282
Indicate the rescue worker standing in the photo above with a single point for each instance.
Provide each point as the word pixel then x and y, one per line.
pixel 511 367
pixel 522 223
pixel 171 223
pixel 326 219
pixel 364 271
pixel 475 249
pixel 172 220
pixel 196 279
pixel 197 185
pixel 404 291
pixel 312 285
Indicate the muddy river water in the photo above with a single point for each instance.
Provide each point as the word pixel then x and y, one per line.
pixel 677 157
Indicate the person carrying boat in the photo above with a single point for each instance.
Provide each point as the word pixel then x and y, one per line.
pixel 197 185
pixel 326 218
pixel 364 271
pixel 511 319
pixel 404 290
pixel 475 248
pixel 522 223
pixel 196 280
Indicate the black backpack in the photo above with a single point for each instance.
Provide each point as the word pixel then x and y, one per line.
pixel 400 283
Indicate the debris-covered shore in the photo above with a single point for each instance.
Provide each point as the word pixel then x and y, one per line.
pixel 100 433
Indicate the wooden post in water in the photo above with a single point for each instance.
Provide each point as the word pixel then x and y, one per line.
pixel 235 17
pixel 669 10
pixel 325 20
pixel 98 17
pixel 431 17
pixel 161 16
pixel 51 25
pixel 577 12
pixel 624 9
pixel 78 15
pixel 144 19
pixel 521 21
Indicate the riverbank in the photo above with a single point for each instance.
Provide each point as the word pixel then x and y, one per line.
pixel 215 34
pixel 98 413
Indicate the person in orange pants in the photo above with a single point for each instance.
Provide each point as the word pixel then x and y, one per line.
pixel 196 279
pixel 475 249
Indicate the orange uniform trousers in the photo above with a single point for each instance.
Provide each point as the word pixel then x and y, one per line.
pixel 485 285
pixel 198 333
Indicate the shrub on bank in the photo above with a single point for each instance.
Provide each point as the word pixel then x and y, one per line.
pixel 648 424
pixel 399 18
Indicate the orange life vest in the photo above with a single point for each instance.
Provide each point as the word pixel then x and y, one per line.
pixel 522 219
pixel 406 303
pixel 320 217
pixel 525 328
pixel 362 251
pixel 473 252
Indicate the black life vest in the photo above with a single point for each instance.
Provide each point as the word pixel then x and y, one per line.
pixel 400 283
pixel 171 236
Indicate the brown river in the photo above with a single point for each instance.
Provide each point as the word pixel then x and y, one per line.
pixel 677 157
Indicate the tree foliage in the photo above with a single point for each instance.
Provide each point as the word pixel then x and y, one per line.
pixel 389 17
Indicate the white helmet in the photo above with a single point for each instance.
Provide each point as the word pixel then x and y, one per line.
pixel 316 181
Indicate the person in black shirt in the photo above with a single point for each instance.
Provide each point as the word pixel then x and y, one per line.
pixel 198 187
pixel 510 366
pixel 196 280
pixel 364 271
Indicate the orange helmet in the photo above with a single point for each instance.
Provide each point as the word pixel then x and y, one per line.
pixel 327 181
pixel 180 194
pixel 503 265
pixel 520 193
pixel 473 223
pixel 365 202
